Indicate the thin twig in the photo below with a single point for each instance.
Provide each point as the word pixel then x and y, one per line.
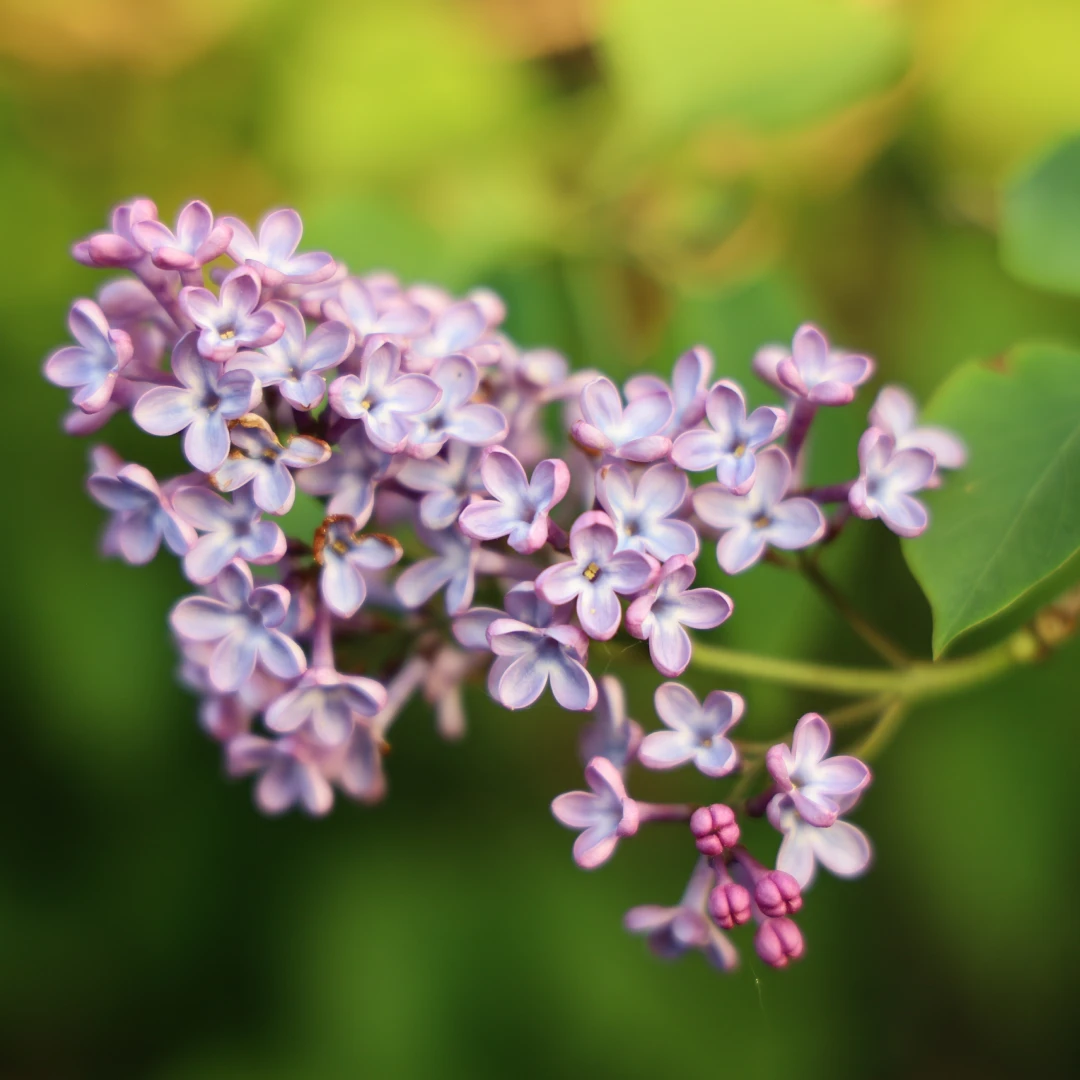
pixel 882 732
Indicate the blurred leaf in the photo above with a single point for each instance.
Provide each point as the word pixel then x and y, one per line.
pixel 1012 516
pixel 1040 228
pixel 680 64
pixel 306 515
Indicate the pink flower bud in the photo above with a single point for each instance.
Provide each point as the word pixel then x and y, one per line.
pixel 730 905
pixel 714 828
pixel 778 941
pixel 777 894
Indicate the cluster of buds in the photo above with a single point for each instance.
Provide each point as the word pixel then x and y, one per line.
pixel 422 428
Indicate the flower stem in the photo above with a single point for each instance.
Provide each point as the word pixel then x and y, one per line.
pixel 664 811
pixel 882 732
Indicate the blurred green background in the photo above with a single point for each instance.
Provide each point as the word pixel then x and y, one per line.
pixel 635 176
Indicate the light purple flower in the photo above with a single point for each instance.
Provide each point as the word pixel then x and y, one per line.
pixel 611 734
pixel 453 568
pixel 349 476
pixel 258 459
pixel 292 772
pixel 272 256
pixel 385 401
pixel 207 398
pixel 197 240
pixel 633 433
pixel 644 515
pixel 118 247
pixel 821 788
pixel 697 731
pixel 841 848
pixel 242 623
pixel 143 516
pixel 530 657
pixel 296 361
pixel 94 365
pixel 762 516
pixel 328 703
pixel 896 413
pixel 887 477
pixel 661 614
pixel 689 383
pixel 523 604
pixel 455 415
pixel 520 509
pixel 605 814
pixel 233 319
pixel 457 329
pixel 356 305
pixel 446 483
pixel 812 371
pixel 672 931
pixel 231 531
pixel 359 770
pixel 344 555
pixel 729 446
pixel 595 574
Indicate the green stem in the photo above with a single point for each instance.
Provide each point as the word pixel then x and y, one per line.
pixel 882 732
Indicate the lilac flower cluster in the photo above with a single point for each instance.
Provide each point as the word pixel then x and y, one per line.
pixel 446 518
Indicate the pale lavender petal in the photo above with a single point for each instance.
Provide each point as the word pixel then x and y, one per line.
pixel 666 749
pixel 201 618
pixel 164 410
pixel 739 548
pixel 572 686
pixel 522 682
pixel 796 523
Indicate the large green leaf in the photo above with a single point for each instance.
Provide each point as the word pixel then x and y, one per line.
pixel 1040 227
pixel 1012 516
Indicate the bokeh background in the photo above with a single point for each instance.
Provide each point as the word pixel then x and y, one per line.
pixel 635 176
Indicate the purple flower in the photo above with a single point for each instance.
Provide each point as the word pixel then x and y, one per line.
pixel 207 398
pixel 595 574
pixel 633 433
pixel 611 734
pixel 242 624
pixel 530 657
pixel 292 772
pixel 697 731
pixel 197 240
pixel 887 477
pixel 523 604
pixel 455 415
pixel 660 615
pixel 359 771
pixel 689 382
pixel 896 414
pixel 672 931
pixel 257 458
pixel 118 247
pixel 349 476
pixel 233 319
pixel 841 848
pixel 520 508
pixel 729 447
pixel 272 257
pixel 356 305
pixel 296 361
pixel 386 402
pixel 344 555
pixel 328 703
pixel 457 329
pixel 94 365
pixel 453 569
pixel 143 515
pixel 820 788
pixel 812 371
pixel 763 516
pixel 447 484
pixel 605 814
pixel 232 531
pixel 645 516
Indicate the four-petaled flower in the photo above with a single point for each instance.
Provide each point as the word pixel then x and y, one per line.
pixel 327 702
pixel 457 329
pixel 689 382
pixel 812 371
pixel 595 574
pixel 94 365
pixel 446 484
pixel 529 657
pixel 257 458
pixel 887 477
pixel 521 508
pixel 896 414
pixel 349 475
pixel 292 772
pixel 197 240
pixel 696 731
pixel 633 433
pixel 842 848
pixel 356 305
pixel 455 415
pixel 207 398
pixel 272 256
pixel 729 446
pixel 242 624
pixel 233 318
pixel 385 401
pixel 453 568
pixel 344 555
pixel 605 814
pixel 660 615
pixel 820 788
pixel 762 516
pixel 644 515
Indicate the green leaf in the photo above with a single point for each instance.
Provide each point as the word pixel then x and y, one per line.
pixel 1012 516
pixel 1040 227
